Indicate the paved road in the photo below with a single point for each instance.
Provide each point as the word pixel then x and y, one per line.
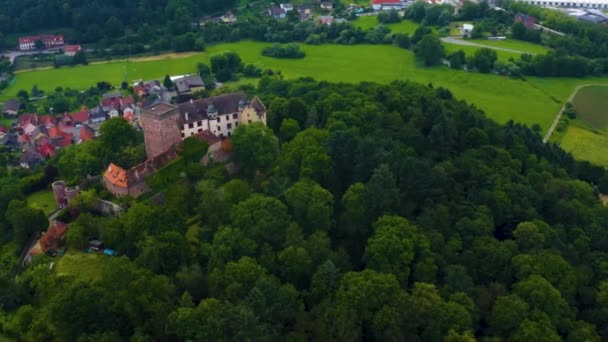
pixel 451 40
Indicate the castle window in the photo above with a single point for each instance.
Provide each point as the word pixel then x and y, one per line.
pixel 183 135
pixel 199 124
pixel 219 119
pixel 249 120
pixel 235 116
pixel 191 125
pixel 229 126
pixel 200 130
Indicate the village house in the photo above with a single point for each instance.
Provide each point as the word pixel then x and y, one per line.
pixel 97 115
pixel 11 107
pixel 71 50
pixel 48 41
pixel 220 115
pixel 29 159
pixel 287 7
pixel 188 85
pixel 527 20
pixel 304 12
pixel 466 30
pixel 49 241
pixel 276 12
pixel 378 5
pixel 326 5
pixel 325 20
pixel 228 18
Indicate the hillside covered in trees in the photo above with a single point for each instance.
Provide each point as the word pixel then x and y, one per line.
pixel 363 212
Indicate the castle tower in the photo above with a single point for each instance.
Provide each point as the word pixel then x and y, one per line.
pixel 71 192
pixel 59 193
pixel 160 123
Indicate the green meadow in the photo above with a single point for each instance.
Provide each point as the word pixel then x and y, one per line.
pixel 368 22
pixel 43 200
pixel 530 101
pixel 514 44
pixel 86 267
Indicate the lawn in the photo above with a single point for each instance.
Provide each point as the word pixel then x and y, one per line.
pixel 470 51
pixel 368 22
pixel 591 105
pixel 585 144
pixel 514 44
pixel 43 200
pixel 84 266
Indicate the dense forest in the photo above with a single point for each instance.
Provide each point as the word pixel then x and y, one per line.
pixel 363 212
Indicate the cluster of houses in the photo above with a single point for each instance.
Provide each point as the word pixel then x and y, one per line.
pixel 48 41
pixel 38 137
pixel 164 125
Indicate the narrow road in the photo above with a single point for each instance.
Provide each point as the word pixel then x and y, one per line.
pixel 561 111
pixel 451 40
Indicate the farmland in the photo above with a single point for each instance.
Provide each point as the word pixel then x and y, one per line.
pixel 530 101
pixel 591 105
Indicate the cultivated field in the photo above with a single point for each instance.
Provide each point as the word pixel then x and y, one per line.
pixel 591 105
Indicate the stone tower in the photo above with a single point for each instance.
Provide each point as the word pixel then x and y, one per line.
pixel 160 123
pixel 59 193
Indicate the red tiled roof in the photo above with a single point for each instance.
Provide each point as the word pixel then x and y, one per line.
pixel 46 150
pixel 51 238
pixel 116 175
pixel 208 137
pixel 56 39
pixel 47 120
pixel 86 134
pixel 81 116
pixel 71 48
pixel 28 118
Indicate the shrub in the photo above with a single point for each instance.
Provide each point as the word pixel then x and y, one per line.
pixel 283 51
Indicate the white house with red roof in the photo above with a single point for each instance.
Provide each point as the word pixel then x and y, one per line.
pixel 70 50
pixel 48 41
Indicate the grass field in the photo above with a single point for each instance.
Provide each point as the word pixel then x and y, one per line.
pixel 84 266
pixel 514 44
pixel 531 101
pixel 585 144
pixel 470 50
pixel 367 22
pixel 42 200
pixel 591 105
pixel 503 98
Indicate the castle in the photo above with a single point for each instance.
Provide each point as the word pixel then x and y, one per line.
pixel 166 125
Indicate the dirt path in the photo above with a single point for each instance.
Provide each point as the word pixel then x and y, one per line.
pixel 561 111
pixel 451 40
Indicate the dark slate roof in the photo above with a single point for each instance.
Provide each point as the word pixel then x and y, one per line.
pixel 185 83
pixel 197 110
pixel 98 112
pixel 31 158
pixel 12 104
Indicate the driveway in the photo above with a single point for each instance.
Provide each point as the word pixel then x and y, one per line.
pixel 451 40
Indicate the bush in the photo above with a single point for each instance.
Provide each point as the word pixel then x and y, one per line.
pixel 283 51
pixel 251 70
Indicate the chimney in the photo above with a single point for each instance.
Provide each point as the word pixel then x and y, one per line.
pixel 186 114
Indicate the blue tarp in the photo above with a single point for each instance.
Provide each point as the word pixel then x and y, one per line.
pixel 108 251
